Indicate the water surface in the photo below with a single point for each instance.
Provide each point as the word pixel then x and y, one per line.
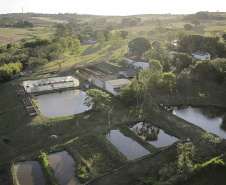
pixel 210 119
pixel 130 148
pixel 64 168
pixel 152 134
pixel 29 173
pixel 63 103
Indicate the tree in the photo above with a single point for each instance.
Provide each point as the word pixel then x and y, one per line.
pixel 158 51
pixel 155 68
pixel 220 64
pixel 170 35
pixel 127 94
pixel 88 29
pixel 124 34
pixel 187 27
pixel 224 36
pixel 115 38
pixel 9 71
pixel 96 98
pixel 133 22
pixel 61 30
pixel 136 87
pixel 143 79
pixel 206 70
pixel 110 26
pixel 169 80
pixel 195 22
pixel 181 61
pixel 139 45
pixel 36 62
pixel 75 47
pixel 100 38
pixel 194 43
pixel 185 154
pixel 181 34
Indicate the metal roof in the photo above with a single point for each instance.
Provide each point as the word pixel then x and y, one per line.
pixel 118 82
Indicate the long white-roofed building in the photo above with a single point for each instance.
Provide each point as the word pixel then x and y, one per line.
pixel 48 84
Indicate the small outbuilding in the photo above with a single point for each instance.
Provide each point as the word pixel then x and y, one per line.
pixel 140 65
pixel 201 55
pixel 100 81
pixel 114 86
pixel 127 74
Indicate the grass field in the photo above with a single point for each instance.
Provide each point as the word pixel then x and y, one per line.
pixel 16 35
pixel 90 54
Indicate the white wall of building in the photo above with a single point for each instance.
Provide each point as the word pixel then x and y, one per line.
pixel 110 88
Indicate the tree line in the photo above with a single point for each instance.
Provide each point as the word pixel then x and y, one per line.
pixel 35 53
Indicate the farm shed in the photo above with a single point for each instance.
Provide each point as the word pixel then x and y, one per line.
pixel 114 86
pixel 201 55
pixel 100 81
pixel 140 65
pixel 47 84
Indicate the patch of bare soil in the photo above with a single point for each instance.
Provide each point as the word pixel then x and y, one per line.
pixel 38 22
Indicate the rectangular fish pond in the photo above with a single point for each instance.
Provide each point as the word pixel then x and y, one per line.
pixel 63 103
pixel 64 168
pixel 29 173
pixel 211 119
pixel 130 148
pixel 153 135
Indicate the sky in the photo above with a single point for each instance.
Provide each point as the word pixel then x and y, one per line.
pixel 113 7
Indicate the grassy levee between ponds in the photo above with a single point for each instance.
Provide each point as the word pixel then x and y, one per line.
pixel 47 170
pixel 98 155
pixel 82 172
pixel 131 172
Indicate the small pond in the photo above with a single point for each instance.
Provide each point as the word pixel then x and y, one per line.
pixel 211 119
pixel 63 103
pixel 29 173
pixel 130 148
pixel 153 135
pixel 64 168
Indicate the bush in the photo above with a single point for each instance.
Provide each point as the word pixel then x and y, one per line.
pixel 9 71
pixel 139 45
pixel 187 27
pixel 133 22
pixel 83 174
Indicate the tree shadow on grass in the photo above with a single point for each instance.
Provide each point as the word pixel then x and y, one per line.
pixel 91 50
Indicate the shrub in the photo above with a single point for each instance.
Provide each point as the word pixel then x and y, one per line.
pixel 9 71
pixel 83 174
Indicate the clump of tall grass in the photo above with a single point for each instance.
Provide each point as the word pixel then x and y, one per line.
pixel 47 170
